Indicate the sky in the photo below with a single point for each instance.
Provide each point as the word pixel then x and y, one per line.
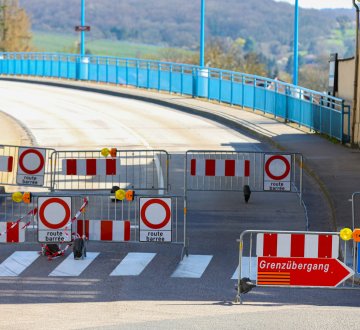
pixel 319 4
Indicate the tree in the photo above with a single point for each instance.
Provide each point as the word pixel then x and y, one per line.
pixel 15 33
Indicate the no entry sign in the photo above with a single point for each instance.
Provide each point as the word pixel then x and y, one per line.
pixel 155 220
pixel 54 215
pixel 31 167
pixel 277 172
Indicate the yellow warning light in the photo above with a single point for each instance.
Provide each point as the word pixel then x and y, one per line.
pixel 26 197
pixel 356 235
pixel 120 194
pixel 105 152
pixel 130 195
pixel 17 197
pixel 113 152
pixel 346 234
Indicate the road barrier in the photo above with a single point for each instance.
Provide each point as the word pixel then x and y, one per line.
pixel 25 166
pixel 128 169
pixel 295 259
pixel 86 170
pixel 317 111
pixel 59 216
pixel 211 170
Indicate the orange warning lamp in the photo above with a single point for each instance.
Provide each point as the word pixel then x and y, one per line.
pixel 356 235
pixel 113 152
pixel 130 195
pixel 26 197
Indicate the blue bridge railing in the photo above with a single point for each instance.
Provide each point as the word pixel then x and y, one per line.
pixel 317 111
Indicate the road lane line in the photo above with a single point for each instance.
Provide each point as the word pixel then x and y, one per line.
pixel 133 264
pixel 192 266
pixel 72 267
pixel 17 263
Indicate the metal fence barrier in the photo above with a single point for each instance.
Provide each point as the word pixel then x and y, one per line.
pixel 130 169
pixel 295 259
pixel 317 111
pixel 55 217
pixel 25 166
pixel 211 170
pixel 145 170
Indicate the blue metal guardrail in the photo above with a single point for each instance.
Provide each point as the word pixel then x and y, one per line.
pixel 317 111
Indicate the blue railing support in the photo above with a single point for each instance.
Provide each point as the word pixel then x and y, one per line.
pixel 317 111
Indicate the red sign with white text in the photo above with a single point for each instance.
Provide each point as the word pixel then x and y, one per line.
pixel 313 272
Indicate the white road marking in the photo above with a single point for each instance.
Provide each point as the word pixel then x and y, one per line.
pixel 192 266
pixel 245 271
pixel 72 267
pixel 133 264
pixel 17 263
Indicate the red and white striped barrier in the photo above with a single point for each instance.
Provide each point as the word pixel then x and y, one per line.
pixel 6 163
pixel 12 232
pixel 220 167
pixel 109 166
pixel 104 230
pixel 297 245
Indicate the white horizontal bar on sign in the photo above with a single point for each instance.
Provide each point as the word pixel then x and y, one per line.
pixel 192 266
pixel 133 264
pixel 72 267
pixel 17 262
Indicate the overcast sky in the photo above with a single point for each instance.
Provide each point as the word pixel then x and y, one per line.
pixel 322 3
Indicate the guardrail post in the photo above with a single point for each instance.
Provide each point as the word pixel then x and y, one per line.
pixel 170 80
pixel 231 89
pixel 194 82
pixel 148 76
pixel 220 82
pixel 1 63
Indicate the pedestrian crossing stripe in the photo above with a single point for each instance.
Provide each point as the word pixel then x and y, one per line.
pixel 72 267
pixel 134 263
pixel 247 269
pixel 192 266
pixel 15 264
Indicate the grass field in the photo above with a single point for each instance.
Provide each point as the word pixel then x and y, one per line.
pixel 50 42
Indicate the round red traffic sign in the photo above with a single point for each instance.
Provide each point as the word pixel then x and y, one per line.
pixel 28 158
pixel 163 205
pixel 286 167
pixel 54 206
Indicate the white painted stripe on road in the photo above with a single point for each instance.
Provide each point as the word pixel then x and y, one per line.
pixel 192 266
pixel 133 264
pixel 72 267
pixel 17 263
pixel 245 271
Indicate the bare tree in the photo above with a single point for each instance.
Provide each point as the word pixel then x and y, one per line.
pixel 15 26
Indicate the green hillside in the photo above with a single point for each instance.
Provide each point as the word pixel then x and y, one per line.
pixel 54 42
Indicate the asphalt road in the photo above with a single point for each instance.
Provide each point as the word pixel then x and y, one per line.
pixel 66 119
